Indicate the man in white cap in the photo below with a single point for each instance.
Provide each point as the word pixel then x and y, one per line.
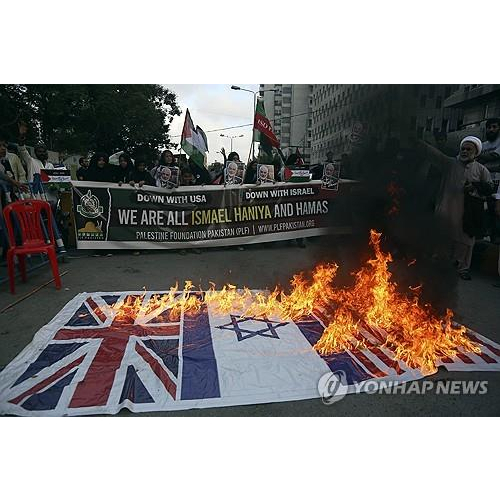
pixel 463 177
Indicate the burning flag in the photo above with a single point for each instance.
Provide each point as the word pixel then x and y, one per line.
pixel 180 349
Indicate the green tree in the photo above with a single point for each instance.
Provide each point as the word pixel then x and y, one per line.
pixel 14 108
pixel 81 118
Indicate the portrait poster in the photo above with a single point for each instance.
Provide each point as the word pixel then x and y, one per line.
pixel 265 174
pixel 331 176
pixel 166 177
pixel 234 173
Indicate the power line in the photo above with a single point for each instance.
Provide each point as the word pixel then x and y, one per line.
pixel 241 126
pixel 335 106
pixel 221 129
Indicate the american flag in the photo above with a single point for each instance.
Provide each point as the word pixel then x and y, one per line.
pixel 378 361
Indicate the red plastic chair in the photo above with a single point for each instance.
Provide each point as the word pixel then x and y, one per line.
pixel 33 237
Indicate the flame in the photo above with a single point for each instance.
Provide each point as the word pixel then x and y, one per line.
pixel 300 302
pixel 396 192
pixel 413 333
pixel 175 303
pixel 403 325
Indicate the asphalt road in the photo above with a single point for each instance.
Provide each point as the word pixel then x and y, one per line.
pixel 477 306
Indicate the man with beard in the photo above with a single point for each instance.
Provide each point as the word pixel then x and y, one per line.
pixel 34 168
pixel 465 183
pixel 81 173
pixel 34 165
pixel 232 174
pixel 490 158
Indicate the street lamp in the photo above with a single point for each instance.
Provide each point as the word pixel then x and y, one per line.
pixel 254 92
pixel 231 137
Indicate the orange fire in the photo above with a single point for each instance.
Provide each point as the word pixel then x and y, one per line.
pixel 400 323
pixel 407 327
pixel 174 302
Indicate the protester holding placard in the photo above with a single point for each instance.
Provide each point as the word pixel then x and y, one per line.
pixel 166 174
pixel 233 156
pixel 233 173
pixel 166 177
pixel 331 176
pixel 265 174
pixel 167 159
pixel 317 170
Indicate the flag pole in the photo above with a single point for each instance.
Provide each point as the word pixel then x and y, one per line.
pixel 252 145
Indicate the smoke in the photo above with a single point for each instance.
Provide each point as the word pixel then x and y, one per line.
pixel 396 195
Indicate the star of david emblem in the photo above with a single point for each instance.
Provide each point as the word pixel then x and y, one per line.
pixel 244 334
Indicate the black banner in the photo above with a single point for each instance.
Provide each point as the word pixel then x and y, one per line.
pixel 109 216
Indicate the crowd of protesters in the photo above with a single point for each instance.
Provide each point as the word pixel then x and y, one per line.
pixel 461 189
pixel 169 172
pixel 20 178
pixel 20 175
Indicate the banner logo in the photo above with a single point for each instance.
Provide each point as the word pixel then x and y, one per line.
pixel 90 206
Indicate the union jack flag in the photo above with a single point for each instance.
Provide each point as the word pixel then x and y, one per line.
pixel 109 361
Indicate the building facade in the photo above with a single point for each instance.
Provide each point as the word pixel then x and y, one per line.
pixel 347 116
pixel 476 103
pixel 288 107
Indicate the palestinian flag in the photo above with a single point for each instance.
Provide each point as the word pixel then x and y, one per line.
pixel 194 141
pixel 261 124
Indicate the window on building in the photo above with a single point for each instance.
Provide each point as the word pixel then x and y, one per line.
pixel 444 125
pixel 439 102
pixel 420 132
pixel 428 124
pixel 432 91
pixel 423 99
pixel 447 92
